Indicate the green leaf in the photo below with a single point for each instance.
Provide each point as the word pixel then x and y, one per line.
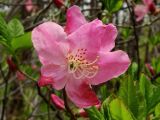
pixel 4 31
pixel 119 111
pixel 157 110
pixel 23 41
pixel 129 96
pixel 104 92
pixel 94 114
pixel 105 110
pixel 150 93
pixel 146 87
pixel 154 99
pixel 16 28
pixel 113 5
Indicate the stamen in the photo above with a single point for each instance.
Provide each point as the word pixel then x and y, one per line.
pixel 80 67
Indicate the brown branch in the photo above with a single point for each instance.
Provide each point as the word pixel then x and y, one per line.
pixel 131 11
pixel 5 98
pixel 67 106
pixel 43 11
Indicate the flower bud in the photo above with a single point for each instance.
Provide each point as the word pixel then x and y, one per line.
pixel 20 75
pixel 11 64
pixel 59 3
pixel 150 68
pixel 57 101
pixel 152 8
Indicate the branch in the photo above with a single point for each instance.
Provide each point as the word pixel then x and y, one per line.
pixel 131 10
pixel 5 99
pixel 43 11
pixel 67 106
pixel 155 77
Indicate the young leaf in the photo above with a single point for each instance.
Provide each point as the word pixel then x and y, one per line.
pixel 128 95
pixel 4 31
pixel 146 87
pixel 16 28
pixel 94 114
pixel 113 5
pixel 23 41
pixel 119 111
pixel 105 110
pixel 154 99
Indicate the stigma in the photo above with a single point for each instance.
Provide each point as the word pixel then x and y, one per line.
pixel 80 67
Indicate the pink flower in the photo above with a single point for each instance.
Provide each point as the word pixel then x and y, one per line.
pixel 58 102
pixel 78 57
pixel 29 5
pixel 142 10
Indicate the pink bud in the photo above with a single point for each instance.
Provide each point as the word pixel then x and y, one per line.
pixel 11 64
pixel 20 75
pixel 57 101
pixel 59 3
pixel 150 68
pixel 152 8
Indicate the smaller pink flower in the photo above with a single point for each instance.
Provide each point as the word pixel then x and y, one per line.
pixel 58 102
pixel 142 10
pixel 29 5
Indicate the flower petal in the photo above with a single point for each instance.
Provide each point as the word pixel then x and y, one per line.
pixel 57 74
pixel 140 12
pixel 81 94
pixel 75 19
pixel 108 37
pixel 87 37
pixel 47 39
pixel 57 101
pixel 111 65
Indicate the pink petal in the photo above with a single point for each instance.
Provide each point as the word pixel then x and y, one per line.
pixel 56 73
pixel 147 2
pixel 87 37
pixel 108 37
pixel 111 65
pixel 57 101
pixel 75 19
pixel 81 94
pixel 140 12
pixel 47 39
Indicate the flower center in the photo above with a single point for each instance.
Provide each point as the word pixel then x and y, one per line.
pixel 80 67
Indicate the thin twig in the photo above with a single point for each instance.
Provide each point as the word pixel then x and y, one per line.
pixel 67 106
pixel 5 99
pixel 43 11
pixel 131 10
pixel 155 77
